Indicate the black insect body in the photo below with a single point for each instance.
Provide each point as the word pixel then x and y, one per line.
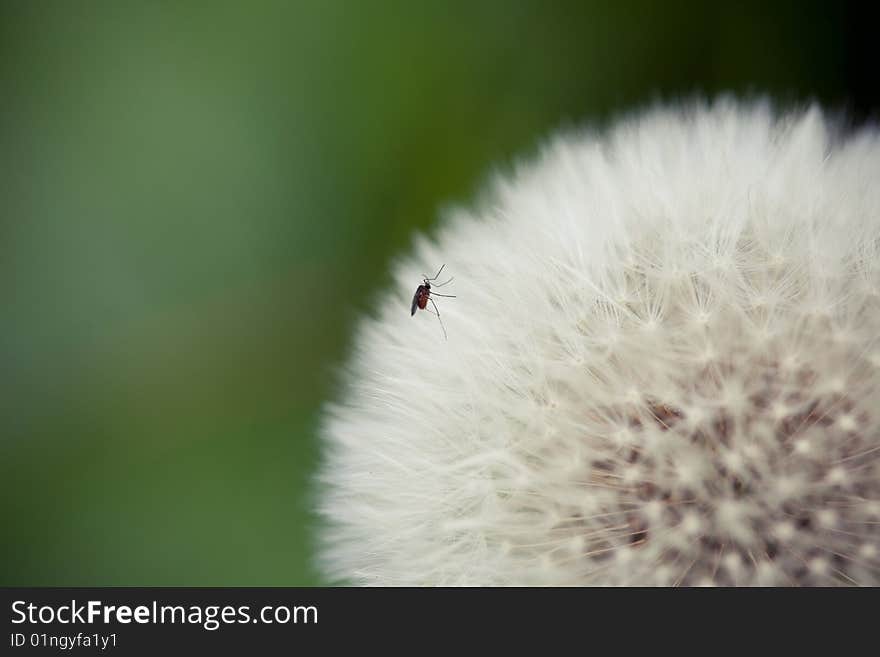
pixel 423 296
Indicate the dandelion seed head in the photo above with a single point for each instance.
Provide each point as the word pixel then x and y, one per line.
pixel 662 369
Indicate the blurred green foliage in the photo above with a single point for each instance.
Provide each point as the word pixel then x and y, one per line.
pixel 197 200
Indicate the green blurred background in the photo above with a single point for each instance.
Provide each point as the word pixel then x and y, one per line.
pixel 198 199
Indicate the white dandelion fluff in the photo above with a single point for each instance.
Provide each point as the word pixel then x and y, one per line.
pixel 663 367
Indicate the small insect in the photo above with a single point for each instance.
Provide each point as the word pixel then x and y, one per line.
pixel 423 296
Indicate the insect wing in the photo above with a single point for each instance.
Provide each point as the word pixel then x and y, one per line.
pixel 415 301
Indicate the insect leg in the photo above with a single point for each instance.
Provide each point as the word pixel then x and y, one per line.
pixel 446 337
pixel 448 296
pixel 442 284
pixel 438 274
